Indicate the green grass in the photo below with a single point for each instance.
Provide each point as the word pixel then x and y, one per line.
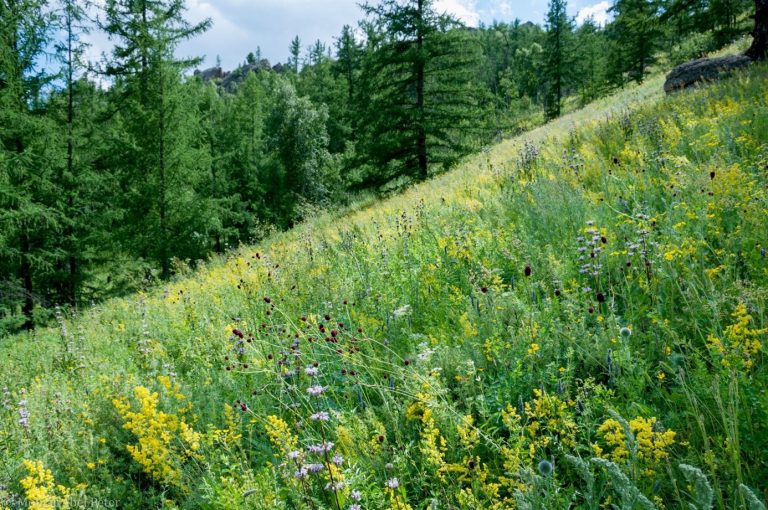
pixel 474 367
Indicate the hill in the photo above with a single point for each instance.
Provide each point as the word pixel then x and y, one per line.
pixel 575 317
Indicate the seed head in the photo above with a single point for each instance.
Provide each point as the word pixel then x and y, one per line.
pixel 545 467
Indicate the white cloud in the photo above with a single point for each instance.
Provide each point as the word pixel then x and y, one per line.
pixel 464 10
pixel 598 13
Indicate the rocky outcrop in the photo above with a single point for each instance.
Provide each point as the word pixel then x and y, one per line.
pixel 212 73
pixel 703 69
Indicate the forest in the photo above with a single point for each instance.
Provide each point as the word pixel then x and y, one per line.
pixel 119 173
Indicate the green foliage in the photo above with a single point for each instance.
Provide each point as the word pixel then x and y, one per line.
pixel 464 355
pixel 418 93
pixel 703 495
pixel 558 55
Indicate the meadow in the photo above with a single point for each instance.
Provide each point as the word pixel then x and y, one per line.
pixel 574 318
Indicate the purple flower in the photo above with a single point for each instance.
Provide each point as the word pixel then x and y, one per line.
pixel 301 473
pixel 338 459
pixel 355 507
pixel 320 448
pixel 393 483
pixel 311 371
pixel 294 455
pixel 356 495
pixel 320 416
pixel 314 468
pixel 315 391
pixel 334 486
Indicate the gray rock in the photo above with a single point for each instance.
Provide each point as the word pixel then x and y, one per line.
pixel 702 69
pixel 210 74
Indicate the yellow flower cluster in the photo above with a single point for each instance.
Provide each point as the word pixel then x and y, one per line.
pixel 228 435
pixel 652 446
pixel 740 343
pixel 163 439
pixel 40 489
pixel 433 445
pixel 549 420
pixel 281 437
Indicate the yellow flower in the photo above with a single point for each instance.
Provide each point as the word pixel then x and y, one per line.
pixel 281 437
pixel 40 489
pixel 163 440
pixel 740 343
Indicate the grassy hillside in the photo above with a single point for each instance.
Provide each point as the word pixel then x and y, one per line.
pixel 574 317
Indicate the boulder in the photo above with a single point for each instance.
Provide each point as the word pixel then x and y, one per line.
pixel 702 69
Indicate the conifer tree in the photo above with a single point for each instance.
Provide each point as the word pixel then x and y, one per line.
pixel 419 90
pixel 164 162
pixel 29 217
pixel 295 50
pixel 590 62
pixel 635 33
pixel 558 51
pixel 348 55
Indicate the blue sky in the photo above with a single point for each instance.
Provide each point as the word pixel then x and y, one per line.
pixel 239 26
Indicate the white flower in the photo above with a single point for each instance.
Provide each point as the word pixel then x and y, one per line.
pixel 393 483
pixel 320 416
pixel 315 391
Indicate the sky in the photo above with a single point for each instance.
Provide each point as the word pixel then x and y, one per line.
pixel 240 26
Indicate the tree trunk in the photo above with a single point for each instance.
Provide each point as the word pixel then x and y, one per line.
pixel 25 272
pixel 421 133
pixel 70 243
pixel 759 48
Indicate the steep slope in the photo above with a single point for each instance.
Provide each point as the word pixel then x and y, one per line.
pixel 593 288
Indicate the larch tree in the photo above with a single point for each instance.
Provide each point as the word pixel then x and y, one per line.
pixel 29 217
pixel 558 55
pixel 164 160
pixel 420 90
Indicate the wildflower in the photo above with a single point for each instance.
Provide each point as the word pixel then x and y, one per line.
pixel 23 414
pixel 294 454
pixel 314 468
pixel 355 507
pixel 315 391
pixel 334 486
pixel 320 448
pixel 545 467
pixel 393 483
pixel 301 473
pixel 319 416
pixel 356 495
pixel 338 459
pixel 310 371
